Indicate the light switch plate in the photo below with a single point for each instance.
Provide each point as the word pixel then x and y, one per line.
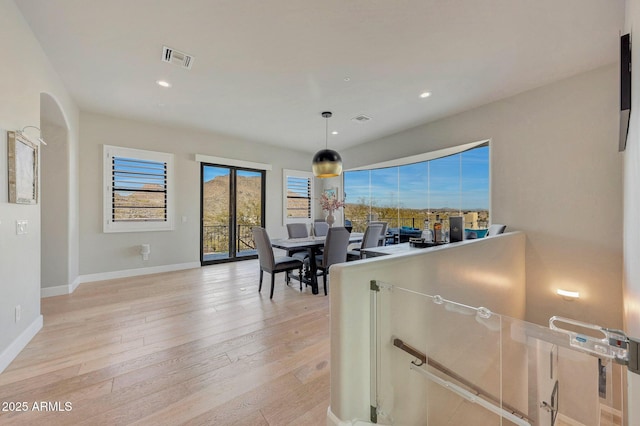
pixel 21 227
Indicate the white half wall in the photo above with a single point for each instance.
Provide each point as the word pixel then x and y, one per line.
pixel 632 208
pixel 487 272
pixel 556 174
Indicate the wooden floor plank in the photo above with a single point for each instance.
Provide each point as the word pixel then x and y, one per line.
pixel 200 346
pixel 246 404
pixel 296 402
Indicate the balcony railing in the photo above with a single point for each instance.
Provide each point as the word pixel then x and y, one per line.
pixel 360 223
pixel 215 238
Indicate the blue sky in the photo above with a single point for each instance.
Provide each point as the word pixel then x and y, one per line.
pixel 212 172
pixel 459 181
pixel 132 173
pixel 433 184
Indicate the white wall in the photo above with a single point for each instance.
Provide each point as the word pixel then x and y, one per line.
pixel 25 73
pixel 103 253
pixel 556 175
pixel 54 200
pixel 632 206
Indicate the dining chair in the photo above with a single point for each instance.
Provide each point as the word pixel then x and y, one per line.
pixel 495 229
pixel 383 234
pixel 298 230
pixel 320 228
pixel 371 238
pixel 271 264
pixel 335 251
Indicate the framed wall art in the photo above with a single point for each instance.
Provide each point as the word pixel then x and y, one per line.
pixel 22 155
pixel 331 192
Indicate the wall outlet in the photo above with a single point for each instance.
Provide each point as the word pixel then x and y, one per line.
pixel 21 226
pixel 18 313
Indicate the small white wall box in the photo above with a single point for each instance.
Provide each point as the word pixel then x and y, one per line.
pixel 145 251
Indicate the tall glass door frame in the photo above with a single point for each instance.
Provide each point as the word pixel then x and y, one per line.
pixel 234 253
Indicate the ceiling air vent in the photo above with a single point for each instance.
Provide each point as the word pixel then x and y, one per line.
pixel 361 119
pixel 176 57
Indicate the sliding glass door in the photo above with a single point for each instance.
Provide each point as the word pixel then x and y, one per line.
pixel 232 202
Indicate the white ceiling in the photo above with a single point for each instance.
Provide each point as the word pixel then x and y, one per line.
pixel 264 70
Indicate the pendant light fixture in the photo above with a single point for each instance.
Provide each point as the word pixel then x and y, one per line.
pixel 327 162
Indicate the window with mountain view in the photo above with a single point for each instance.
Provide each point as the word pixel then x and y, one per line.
pixel 138 190
pixel 298 197
pixel 299 193
pixel 410 194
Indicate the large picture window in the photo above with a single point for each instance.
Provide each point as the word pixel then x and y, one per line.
pixel 407 195
pixel 138 190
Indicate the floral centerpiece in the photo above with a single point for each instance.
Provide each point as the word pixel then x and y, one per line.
pixel 329 203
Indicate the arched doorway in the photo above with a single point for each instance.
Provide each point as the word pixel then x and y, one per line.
pixel 54 199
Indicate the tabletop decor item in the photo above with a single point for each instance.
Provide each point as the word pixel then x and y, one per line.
pixel 329 202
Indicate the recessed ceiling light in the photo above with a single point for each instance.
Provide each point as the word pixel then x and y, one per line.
pixel 334 132
pixel 425 94
pixel 163 83
pixel 347 79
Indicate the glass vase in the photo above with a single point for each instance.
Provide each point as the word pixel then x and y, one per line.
pixel 330 219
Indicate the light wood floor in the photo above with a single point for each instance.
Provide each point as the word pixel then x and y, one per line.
pixel 197 347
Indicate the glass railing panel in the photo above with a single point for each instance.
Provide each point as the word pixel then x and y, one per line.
pixel 564 385
pixel 458 345
pixel 401 394
pixel 463 352
pixel 439 362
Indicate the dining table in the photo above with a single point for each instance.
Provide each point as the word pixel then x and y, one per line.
pixel 313 245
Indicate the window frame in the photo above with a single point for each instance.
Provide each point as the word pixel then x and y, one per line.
pixel 286 173
pixel 109 225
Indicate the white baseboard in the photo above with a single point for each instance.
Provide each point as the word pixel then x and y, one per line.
pixel 101 276
pixel 333 420
pixel 60 289
pixel 12 351
pixel 55 291
pixel 74 285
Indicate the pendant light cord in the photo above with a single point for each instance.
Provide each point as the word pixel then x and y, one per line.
pixel 326 133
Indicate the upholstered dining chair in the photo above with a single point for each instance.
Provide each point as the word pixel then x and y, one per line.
pixel 335 251
pixel 370 239
pixel 383 234
pixel 495 229
pixel 320 228
pixel 298 230
pixel 271 264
